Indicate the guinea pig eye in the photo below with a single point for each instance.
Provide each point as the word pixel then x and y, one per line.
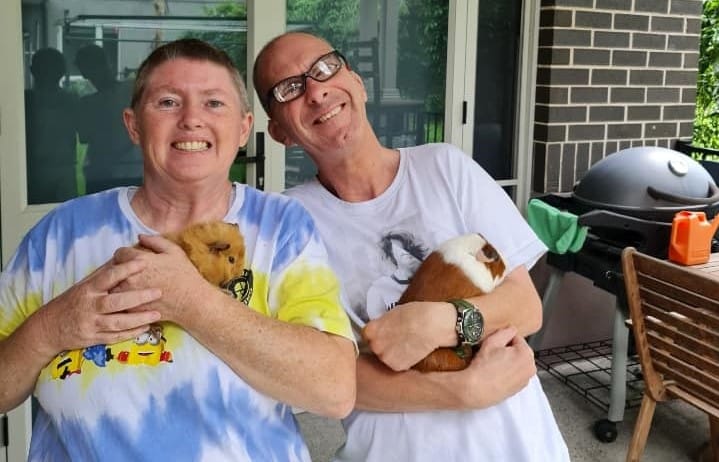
pixel 231 259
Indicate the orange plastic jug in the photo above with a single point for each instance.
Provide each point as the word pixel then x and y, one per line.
pixel 691 237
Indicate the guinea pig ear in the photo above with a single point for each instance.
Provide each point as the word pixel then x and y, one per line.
pixel 218 246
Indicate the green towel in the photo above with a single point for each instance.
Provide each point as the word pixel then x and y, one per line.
pixel 556 228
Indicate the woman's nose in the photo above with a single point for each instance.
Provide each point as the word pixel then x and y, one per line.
pixel 191 117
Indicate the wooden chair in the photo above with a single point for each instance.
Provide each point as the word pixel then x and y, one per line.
pixel 675 318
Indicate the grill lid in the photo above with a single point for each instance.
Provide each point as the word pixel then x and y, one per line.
pixel 647 182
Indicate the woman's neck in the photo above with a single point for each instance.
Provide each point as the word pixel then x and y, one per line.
pixel 166 211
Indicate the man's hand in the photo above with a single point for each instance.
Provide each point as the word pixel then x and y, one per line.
pixel 501 368
pixel 406 334
pixel 89 314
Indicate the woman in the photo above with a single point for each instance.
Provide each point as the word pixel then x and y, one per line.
pixel 132 354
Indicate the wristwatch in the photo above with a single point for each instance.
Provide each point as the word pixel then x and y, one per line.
pixel 470 323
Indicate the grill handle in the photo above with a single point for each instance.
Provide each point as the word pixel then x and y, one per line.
pixel 659 194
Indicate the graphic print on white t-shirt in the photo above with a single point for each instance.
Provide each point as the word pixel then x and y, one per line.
pixel 399 253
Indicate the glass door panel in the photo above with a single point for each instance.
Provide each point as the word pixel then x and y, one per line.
pixel 400 51
pixel 80 61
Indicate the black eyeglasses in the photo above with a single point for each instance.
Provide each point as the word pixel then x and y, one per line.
pixel 326 67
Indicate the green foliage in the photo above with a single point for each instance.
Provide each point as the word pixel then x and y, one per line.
pixel 333 20
pixel 706 123
pixel 234 43
pixel 423 51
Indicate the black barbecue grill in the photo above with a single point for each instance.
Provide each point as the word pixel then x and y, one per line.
pixel 627 199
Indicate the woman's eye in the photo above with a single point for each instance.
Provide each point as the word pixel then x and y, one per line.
pixel 167 102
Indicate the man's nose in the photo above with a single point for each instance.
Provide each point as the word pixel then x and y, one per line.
pixel 315 91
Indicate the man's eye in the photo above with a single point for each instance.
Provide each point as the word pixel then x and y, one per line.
pixel 215 103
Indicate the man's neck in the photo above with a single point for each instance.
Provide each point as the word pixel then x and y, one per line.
pixel 363 176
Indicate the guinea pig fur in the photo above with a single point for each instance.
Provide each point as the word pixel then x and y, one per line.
pixel 462 267
pixel 216 248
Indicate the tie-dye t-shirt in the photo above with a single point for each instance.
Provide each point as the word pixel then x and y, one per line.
pixel 162 395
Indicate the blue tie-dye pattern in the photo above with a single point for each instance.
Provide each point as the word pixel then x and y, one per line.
pixel 46 443
pixel 294 221
pixel 180 428
pixel 79 219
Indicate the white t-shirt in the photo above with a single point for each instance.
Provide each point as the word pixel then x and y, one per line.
pixel 439 193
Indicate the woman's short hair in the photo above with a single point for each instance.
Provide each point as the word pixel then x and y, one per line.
pixel 187 48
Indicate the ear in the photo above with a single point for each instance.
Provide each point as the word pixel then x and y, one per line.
pixel 359 80
pixel 130 120
pixel 246 128
pixel 278 133
pixel 218 246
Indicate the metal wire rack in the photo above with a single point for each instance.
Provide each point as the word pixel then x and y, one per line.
pixel 586 369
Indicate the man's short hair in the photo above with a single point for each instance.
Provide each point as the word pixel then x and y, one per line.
pixel 47 64
pixel 259 61
pixel 187 48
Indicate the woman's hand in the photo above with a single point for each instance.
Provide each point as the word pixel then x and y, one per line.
pixel 166 267
pixel 90 313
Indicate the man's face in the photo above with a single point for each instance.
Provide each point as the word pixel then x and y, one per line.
pixel 330 117
pixel 189 122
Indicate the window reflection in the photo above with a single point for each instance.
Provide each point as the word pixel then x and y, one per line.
pixel 400 51
pixel 111 158
pixel 76 140
pixel 51 130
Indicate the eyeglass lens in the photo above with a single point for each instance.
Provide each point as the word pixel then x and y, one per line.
pixel 322 70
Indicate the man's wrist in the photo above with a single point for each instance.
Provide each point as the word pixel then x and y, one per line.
pixel 444 322
pixel 469 324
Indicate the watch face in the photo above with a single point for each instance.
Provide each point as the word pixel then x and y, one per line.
pixel 472 326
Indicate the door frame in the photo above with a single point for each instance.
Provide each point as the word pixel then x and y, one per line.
pixel 461 87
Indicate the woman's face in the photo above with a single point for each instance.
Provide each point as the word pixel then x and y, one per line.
pixel 189 123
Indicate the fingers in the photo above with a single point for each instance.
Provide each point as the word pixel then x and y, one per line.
pixel 500 338
pixel 110 275
pixel 126 254
pixel 122 301
pixel 157 244
pixel 122 323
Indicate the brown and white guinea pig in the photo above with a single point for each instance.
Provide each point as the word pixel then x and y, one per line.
pixel 216 248
pixel 462 267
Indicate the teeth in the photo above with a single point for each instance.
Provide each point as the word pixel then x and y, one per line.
pixel 330 114
pixel 191 145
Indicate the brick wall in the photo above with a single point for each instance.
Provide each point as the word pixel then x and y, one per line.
pixel 611 74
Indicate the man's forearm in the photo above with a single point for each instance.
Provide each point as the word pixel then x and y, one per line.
pixel 381 389
pixel 514 302
pixel 502 367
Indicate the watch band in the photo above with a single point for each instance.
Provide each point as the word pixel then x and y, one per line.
pixel 463 307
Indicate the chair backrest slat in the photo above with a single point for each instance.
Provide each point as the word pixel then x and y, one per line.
pixel 675 317
pixel 689 355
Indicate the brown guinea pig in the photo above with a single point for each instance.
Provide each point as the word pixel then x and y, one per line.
pixel 216 248
pixel 462 267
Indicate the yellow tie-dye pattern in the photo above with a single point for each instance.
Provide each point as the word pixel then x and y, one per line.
pixel 310 295
pixel 11 319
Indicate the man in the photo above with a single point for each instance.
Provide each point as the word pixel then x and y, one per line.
pixel 112 159
pixel 131 354
pixel 50 131
pixel 494 410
